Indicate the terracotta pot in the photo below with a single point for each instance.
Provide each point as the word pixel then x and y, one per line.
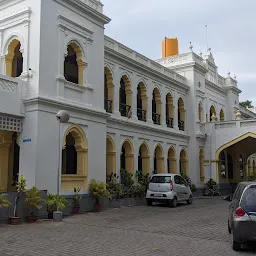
pixel 76 209
pixel 97 207
pixel 31 218
pixel 14 220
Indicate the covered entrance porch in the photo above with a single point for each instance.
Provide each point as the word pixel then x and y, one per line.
pixel 10 128
pixel 232 160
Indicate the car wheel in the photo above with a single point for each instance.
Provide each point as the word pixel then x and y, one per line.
pixel 229 229
pixel 149 202
pixel 190 200
pixel 235 245
pixel 174 202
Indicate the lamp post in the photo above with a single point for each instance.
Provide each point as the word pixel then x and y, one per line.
pixel 62 117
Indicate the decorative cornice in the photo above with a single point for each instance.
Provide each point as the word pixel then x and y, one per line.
pixel 66 105
pixel 79 6
pixel 214 86
pixel 232 88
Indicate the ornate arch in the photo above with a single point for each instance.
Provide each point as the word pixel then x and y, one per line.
pixel 111 156
pixel 108 89
pixel 144 157
pixel 13 36
pixel 172 160
pixel 129 155
pixel 183 161
pixel 159 159
pixel 69 181
pixel 80 56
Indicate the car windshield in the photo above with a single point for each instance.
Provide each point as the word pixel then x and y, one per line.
pixel 248 202
pixel 160 179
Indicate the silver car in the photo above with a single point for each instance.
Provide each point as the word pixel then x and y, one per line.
pixel 242 214
pixel 168 188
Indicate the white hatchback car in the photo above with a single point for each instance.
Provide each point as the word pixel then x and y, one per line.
pixel 170 188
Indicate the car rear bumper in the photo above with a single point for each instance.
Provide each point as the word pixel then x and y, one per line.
pixel 244 231
pixel 158 196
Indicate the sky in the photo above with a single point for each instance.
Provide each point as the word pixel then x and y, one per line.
pixel 231 32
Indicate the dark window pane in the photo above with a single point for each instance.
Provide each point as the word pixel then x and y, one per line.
pixel 160 179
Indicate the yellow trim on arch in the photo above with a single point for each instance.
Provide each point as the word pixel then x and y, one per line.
pixel 228 144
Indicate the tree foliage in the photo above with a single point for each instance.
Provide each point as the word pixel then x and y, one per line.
pixel 246 104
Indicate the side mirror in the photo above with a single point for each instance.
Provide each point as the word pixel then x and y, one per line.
pixel 228 198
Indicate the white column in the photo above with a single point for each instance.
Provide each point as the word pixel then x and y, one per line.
pixel 163 112
pixel 175 116
pixel 116 81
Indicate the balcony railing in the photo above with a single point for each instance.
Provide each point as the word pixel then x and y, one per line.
pixel 124 109
pixel 142 114
pixel 169 122
pixel 108 105
pixel 156 118
pixel 181 125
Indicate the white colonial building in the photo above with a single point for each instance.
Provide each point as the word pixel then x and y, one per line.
pixel 176 114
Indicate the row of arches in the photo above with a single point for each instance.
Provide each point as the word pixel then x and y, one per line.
pixel 125 102
pixel 212 114
pixel 128 155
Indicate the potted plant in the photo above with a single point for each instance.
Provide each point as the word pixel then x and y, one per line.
pixel 98 190
pixel 33 199
pixel 20 189
pixel 76 201
pixel 3 201
pixel 52 204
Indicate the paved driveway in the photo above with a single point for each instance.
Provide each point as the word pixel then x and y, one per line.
pixel 197 229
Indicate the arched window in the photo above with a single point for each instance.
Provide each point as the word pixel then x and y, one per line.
pixel 142 102
pixel 74 159
pixel 156 106
pixel 200 110
pixel 171 163
pixel 14 59
pixel 169 110
pixel 213 116
pixel 69 156
pixel 181 114
pixel 125 96
pixel 74 65
pixel 108 90
pixel 222 116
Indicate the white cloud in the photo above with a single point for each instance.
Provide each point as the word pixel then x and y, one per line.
pixel 143 24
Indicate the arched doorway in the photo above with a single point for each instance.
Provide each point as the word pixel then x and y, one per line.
pixel 74 65
pixel 213 114
pixel 74 159
pixel 201 163
pixel 169 110
pixel 156 106
pixel 183 162
pixel 127 157
pixel 108 90
pixel 144 158
pixel 159 159
pixel 14 59
pixel 111 156
pixel 125 96
pixel 142 102
pixel 254 167
pixel 172 161
pixel 181 114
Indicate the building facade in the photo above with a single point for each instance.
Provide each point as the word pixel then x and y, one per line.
pixel 126 110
